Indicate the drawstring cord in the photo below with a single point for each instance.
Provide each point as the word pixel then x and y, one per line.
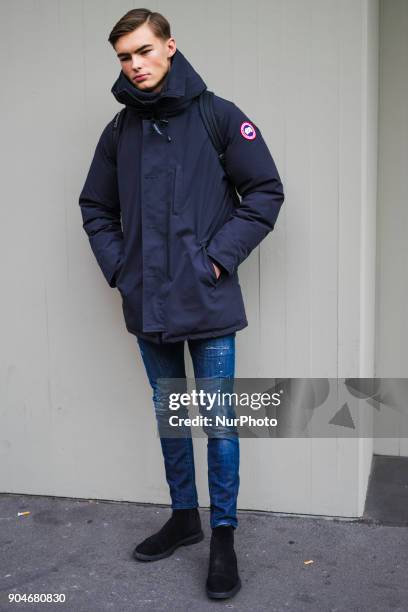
pixel 156 127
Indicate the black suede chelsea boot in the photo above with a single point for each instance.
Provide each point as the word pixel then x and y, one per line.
pixel 223 580
pixel 182 528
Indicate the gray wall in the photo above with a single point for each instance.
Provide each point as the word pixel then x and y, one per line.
pixel 392 285
pixel 76 409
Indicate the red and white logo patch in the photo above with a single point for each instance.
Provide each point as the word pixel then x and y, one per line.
pixel 248 130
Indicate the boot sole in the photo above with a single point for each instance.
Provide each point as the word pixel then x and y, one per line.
pixel 225 594
pixel 194 539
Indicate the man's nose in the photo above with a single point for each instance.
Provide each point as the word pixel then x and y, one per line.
pixel 136 63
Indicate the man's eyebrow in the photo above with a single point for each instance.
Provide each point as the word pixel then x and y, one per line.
pixel 137 50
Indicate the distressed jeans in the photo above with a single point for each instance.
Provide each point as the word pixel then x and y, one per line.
pixel 214 360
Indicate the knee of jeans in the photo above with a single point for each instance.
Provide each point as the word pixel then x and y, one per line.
pixel 228 433
pixel 223 408
pixel 223 435
pixel 162 405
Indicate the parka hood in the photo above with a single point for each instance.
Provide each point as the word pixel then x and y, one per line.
pixel 182 84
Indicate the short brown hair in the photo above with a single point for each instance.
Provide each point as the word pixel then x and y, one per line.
pixel 137 17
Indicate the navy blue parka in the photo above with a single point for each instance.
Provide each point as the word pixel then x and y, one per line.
pixel 159 208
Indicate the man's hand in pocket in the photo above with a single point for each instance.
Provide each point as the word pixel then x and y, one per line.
pixel 217 269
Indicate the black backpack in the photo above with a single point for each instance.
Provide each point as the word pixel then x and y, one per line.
pixel 206 107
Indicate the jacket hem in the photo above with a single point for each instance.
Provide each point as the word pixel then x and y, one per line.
pixel 158 339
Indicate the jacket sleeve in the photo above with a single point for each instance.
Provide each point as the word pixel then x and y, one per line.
pixel 251 168
pixel 100 208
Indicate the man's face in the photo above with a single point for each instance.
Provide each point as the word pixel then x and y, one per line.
pixel 141 53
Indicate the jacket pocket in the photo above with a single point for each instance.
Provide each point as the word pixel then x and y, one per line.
pixel 209 264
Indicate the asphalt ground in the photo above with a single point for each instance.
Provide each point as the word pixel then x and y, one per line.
pixel 82 549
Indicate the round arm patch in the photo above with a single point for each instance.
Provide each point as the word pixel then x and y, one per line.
pixel 248 130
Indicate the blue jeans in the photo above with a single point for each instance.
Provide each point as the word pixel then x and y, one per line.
pixel 213 359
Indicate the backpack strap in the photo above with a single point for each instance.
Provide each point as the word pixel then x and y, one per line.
pixel 206 106
pixel 115 128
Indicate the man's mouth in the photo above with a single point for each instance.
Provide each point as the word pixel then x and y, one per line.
pixel 140 77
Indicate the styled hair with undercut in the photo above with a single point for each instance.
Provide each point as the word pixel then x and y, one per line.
pixel 137 17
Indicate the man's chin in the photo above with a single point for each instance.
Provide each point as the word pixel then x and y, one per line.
pixel 142 86
pixel 151 88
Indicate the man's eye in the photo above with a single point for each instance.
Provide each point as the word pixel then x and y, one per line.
pixel 126 59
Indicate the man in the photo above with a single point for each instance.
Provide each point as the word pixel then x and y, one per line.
pixel 168 230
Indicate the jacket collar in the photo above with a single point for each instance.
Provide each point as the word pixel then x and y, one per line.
pixel 181 85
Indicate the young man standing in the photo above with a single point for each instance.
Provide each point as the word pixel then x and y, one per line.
pixel 168 230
